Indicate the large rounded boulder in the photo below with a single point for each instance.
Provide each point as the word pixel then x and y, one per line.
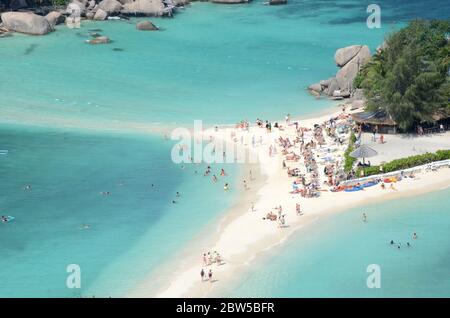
pixel 347 74
pixel 110 6
pixel 344 55
pixel 55 18
pixel 26 22
pixel 144 8
pixel 100 15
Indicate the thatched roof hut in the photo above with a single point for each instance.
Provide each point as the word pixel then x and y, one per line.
pixel 379 120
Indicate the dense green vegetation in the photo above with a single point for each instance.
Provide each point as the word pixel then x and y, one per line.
pixel 405 163
pixel 349 160
pixel 409 77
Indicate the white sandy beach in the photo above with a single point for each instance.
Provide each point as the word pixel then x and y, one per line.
pixel 245 234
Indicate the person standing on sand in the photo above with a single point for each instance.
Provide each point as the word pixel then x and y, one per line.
pixel 205 261
pixel 210 274
pixel 298 209
pixel 202 274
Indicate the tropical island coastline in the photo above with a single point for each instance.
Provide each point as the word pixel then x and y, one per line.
pixel 285 171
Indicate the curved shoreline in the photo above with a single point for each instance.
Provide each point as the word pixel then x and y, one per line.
pixel 244 237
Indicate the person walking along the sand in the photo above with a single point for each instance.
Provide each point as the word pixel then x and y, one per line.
pixel 202 274
pixel 210 274
pixel 298 209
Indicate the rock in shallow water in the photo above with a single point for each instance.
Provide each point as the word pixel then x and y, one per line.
pixel 277 2
pixel 26 22
pixel 146 26
pixel 99 40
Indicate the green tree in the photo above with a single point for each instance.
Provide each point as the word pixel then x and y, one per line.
pixel 409 78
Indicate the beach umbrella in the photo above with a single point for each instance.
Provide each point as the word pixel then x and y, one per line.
pixel 363 151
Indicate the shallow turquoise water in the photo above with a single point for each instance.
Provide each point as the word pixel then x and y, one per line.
pixel 67 171
pixel 212 62
pixel 330 258
pixel 215 63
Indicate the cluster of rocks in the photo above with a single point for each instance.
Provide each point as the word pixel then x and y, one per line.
pixel 101 10
pixel 35 24
pixel 350 60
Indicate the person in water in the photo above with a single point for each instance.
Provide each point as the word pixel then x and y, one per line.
pixel 392 242
pixel 214 178
pixel 4 219
pixel 414 236
pixel 225 187
pixel 178 194
pixel 222 172
pixel 364 217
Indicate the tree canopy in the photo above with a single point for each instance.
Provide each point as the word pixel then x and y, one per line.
pixel 409 76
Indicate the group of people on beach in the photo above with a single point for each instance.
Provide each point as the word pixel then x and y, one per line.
pixel 208 260
pixel 278 216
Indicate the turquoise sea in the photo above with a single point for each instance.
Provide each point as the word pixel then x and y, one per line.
pixel 73 117
pixel 330 258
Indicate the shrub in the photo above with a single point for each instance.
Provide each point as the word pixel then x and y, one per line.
pixel 408 162
pixel 349 160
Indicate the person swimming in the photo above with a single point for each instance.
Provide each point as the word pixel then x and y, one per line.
pixel 27 187
pixel 392 242
pixel 178 194
pixel 4 219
